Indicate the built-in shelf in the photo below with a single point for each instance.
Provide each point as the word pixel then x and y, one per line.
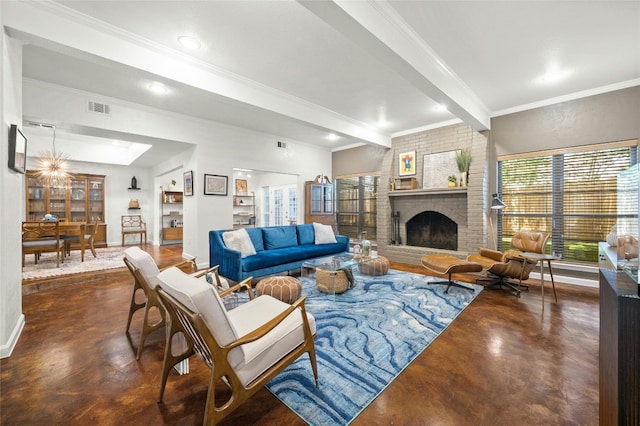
pixel 133 208
pixel 431 191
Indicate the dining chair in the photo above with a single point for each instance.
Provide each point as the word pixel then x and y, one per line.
pixel 73 241
pixel 39 237
pixel 244 348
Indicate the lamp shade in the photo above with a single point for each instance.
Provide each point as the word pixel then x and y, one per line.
pixel 497 203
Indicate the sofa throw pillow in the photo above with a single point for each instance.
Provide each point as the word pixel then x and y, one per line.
pixel 276 237
pixel 239 240
pixel 324 234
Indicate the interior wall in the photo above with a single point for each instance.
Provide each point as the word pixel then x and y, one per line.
pixel 11 212
pixel 607 117
pixel 363 159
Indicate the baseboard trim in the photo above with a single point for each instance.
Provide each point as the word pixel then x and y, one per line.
pixel 7 349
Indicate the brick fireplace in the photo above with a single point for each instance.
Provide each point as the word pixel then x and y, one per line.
pixel 429 217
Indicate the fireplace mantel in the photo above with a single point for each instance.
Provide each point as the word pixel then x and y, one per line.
pixel 432 191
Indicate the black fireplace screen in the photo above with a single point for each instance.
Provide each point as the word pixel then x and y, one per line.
pixel 432 229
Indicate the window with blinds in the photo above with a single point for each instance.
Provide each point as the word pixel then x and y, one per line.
pixel 357 206
pixel 571 194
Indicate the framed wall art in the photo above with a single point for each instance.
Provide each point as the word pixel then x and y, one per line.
pixel 188 183
pixel 407 163
pixel 437 168
pixel 241 187
pixel 215 184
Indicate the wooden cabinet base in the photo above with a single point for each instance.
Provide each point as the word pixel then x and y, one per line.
pixel 172 233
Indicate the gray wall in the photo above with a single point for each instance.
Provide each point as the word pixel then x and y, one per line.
pixel 608 117
pixel 363 159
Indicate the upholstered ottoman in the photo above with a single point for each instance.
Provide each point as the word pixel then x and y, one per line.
pixel 285 288
pixel 378 266
pixel 447 265
pixel 334 281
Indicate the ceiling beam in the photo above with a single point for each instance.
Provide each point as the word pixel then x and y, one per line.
pixel 378 29
pixel 58 25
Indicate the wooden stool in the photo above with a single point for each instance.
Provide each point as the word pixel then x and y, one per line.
pixel 378 266
pixel 284 288
pixel 447 264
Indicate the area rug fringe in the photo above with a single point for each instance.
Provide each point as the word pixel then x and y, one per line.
pixel 366 338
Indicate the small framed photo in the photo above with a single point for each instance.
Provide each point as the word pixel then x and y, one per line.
pixel 188 183
pixel 215 184
pixel 241 187
pixel 407 163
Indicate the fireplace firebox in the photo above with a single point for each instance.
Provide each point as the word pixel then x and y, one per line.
pixel 432 229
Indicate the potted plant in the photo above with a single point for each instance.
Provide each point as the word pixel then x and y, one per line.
pixel 463 159
pixel 452 180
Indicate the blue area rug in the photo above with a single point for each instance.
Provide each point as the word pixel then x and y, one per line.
pixel 366 337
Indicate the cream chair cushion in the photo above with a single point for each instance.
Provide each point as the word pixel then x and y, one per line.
pixel 250 360
pixel 143 261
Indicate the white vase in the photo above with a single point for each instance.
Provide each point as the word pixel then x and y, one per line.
pixel 462 180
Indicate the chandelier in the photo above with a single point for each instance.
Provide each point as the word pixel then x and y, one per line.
pixel 52 166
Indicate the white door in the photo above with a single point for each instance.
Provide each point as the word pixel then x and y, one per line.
pixel 281 205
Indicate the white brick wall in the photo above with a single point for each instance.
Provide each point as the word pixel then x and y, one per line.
pixel 468 210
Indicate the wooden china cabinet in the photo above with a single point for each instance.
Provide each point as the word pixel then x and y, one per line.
pixel 81 199
pixel 319 203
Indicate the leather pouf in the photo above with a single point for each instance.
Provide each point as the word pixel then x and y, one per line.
pixel 378 266
pixel 285 288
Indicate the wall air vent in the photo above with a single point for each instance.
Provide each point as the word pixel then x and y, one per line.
pixel 99 108
pixel 282 144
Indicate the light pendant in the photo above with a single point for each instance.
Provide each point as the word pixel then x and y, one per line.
pixel 52 166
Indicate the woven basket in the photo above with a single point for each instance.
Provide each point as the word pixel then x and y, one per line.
pixel 331 281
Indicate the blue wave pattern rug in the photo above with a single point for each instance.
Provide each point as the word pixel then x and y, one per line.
pixel 366 337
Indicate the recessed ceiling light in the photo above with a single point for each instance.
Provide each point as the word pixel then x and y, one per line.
pixel 157 88
pixel 440 107
pixel 189 42
pixel 333 137
pixel 554 76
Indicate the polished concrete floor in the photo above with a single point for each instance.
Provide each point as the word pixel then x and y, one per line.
pixel 503 361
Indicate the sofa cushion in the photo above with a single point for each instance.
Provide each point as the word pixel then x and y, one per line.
pixel 239 240
pixel 306 235
pixel 279 237
pixel 324 234
pixel 256 238
pixel 270 258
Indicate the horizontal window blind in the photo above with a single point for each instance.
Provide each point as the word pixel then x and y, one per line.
pixel 572 195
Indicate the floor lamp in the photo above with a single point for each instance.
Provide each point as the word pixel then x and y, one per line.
pixel 496 204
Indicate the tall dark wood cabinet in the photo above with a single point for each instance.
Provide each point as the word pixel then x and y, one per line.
pixel 619 349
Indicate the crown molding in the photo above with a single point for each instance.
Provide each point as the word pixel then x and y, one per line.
pixel 570 97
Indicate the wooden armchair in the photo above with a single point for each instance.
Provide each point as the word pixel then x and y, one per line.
pixel 145 274
pixel 503 267
pixel 244 347
pixel 133 225
pixel 39 237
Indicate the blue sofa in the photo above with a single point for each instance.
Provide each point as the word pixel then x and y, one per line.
pixel 278 249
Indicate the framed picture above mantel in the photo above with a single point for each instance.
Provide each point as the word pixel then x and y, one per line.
pixel 407 163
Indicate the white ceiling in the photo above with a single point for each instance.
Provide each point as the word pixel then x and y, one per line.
pixel 361 70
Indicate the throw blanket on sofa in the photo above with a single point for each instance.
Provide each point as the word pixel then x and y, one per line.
pixel 277 249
